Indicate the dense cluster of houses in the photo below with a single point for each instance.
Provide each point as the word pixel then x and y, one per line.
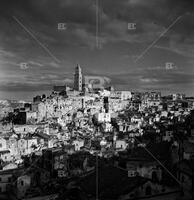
pixel 54 146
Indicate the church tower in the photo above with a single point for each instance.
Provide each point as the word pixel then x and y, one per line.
pixel 78 78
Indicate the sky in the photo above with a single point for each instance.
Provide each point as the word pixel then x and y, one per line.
pixel 156 55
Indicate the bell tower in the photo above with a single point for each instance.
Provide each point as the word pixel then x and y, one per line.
pixel 78 78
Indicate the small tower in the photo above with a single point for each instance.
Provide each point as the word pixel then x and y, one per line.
pixel 78 78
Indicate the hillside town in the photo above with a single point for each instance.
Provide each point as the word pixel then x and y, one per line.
pixel 90 142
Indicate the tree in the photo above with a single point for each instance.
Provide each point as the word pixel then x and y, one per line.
pixel 9 119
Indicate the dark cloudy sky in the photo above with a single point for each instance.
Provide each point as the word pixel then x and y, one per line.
pixel 77 44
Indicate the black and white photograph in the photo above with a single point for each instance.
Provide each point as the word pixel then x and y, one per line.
pixel 96 99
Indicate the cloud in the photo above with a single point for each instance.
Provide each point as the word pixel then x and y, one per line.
pixel 5 53
pixel 148 80
pixel 35 63
pixel 14 87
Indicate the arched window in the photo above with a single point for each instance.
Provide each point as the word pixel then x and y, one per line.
pixel 148 190
pixel 22 182
pixel 154 176
pixel 183 179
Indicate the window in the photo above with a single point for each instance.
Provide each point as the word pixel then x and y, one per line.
pixel 183 179
pixel 148 190
pixel 22 182
pixel 163 189
pixel 132 195
pixel 0 179
pixel 154 177
pixel 1 145
pixel 9 179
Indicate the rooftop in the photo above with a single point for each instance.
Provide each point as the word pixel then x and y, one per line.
pixel 112 182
